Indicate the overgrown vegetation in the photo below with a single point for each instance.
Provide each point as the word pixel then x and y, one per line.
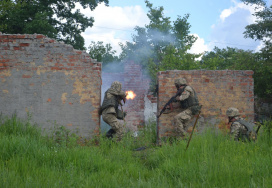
pixel 29 159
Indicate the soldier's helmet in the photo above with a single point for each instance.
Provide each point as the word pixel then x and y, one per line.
pixel 180 81
pixel 232 112
pixel 117 86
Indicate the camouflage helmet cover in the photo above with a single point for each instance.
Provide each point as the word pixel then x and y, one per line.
pixel 232 112
pixel 180 81
pixel 116 89
pixel 117 86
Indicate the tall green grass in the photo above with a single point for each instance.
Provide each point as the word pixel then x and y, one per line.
pixel 30 159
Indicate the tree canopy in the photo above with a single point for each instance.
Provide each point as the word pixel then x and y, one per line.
pixel 55 18
pixel 262 30
pixel 103 53
pixel 162 44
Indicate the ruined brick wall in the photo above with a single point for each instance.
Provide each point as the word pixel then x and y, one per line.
pixel 132 79
pixel 51 81
pixel 217 91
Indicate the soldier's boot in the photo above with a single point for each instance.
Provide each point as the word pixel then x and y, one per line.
pixel 110 133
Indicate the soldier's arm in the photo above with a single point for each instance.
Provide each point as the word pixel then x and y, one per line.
pixel 235 130
pixel 121 94
pixel 185 95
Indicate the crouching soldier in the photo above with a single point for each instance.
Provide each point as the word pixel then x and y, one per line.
pixel 111 113
pixel 240 129
pixel 189 103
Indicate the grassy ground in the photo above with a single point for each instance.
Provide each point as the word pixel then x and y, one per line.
pixel 28 159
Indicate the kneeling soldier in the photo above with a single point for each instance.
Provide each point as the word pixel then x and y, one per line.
pixel 240 129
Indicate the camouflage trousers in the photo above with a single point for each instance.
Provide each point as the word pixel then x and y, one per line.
pixel 115 125
pixel 180 122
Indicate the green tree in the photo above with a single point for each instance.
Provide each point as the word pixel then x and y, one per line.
pixel 237 59
pixel 103 53
pixel 161 45
pixel 55 18
pixel 262 30
pixel 227 58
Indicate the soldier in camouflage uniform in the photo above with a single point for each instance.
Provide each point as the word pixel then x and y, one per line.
pixel 189 102
pixel 111 113
pixel 240 129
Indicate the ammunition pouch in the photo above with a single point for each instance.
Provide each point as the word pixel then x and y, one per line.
pixel 120 114
pixel 184 104
pixel 195 109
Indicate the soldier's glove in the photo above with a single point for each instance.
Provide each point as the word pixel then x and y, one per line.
pixel 176 99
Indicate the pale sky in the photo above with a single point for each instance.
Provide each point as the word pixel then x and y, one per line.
pixel 218 23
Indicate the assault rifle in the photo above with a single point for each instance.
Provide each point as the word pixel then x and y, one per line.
pixel 173 99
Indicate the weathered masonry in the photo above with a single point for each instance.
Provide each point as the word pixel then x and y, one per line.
pixel 58 85
pixel 50 81
pixel 217 91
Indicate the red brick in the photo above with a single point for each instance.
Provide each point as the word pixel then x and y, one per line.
pixel 39 36
pixel 249 72
pixel 59 64
pixel 24 44
pixel 4 61
pixel 26 76
pixel 244 84
pixel 96 68
pixel 12 36
pixel 56 68
pixel 20 36
pixel 7 40
pixel 72 60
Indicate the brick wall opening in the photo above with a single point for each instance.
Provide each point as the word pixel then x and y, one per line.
pixel 142 107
